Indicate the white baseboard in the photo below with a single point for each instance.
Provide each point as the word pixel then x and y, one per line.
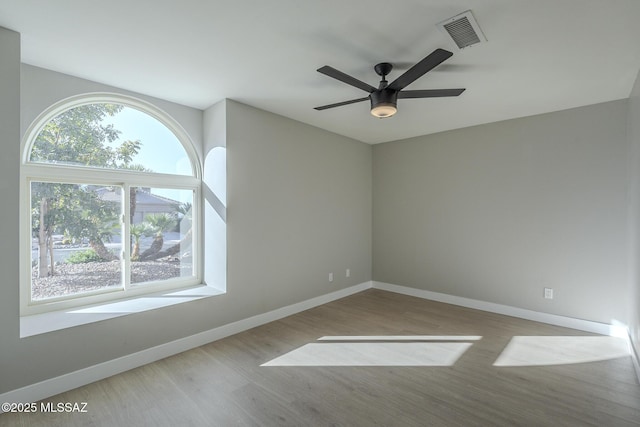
pixel 552 319
pixel 53 386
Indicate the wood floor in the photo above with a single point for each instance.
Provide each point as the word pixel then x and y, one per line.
pixel 224 384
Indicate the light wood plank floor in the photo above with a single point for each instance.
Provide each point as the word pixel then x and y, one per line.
pixel 223 384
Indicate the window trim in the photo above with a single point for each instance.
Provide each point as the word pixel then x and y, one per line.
pixel 35 171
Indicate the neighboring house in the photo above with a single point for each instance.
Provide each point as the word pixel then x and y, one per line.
pixel 146 203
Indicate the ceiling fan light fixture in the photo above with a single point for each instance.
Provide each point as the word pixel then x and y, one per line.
pixel 384 110
pixel 384 103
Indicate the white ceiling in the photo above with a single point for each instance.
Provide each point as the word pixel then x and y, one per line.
pixel 541 56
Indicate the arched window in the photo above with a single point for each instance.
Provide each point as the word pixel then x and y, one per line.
pixel 111 190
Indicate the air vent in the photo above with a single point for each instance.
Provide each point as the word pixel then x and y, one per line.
pixel 463 29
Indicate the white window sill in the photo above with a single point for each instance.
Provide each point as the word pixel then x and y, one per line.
pixel 47 322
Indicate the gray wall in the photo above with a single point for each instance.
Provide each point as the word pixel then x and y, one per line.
pixel 299 206
pixel 634 213
pixel 9 184
pixel 499 211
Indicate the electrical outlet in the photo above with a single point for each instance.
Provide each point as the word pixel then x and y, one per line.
pixel 331 277
pixel 348 272
pixel 548 293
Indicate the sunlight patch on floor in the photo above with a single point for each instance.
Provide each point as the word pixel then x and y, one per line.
pixel 402 338
pixel 560 350
pixel 377 351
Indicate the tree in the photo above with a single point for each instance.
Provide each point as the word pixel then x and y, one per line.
pixel 137 231
pixel 78 136
pixel 159 223
pixel 74 210
pixel 185 242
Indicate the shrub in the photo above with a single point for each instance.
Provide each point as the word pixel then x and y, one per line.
pixel 82 257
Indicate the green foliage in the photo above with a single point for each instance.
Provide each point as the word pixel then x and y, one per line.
pixel 79 136
pixel 141 229
pixel 73 209
pixel 82 257
pixel 137 231
pixel 160 222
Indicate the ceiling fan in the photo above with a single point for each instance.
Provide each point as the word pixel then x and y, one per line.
pixel 384 99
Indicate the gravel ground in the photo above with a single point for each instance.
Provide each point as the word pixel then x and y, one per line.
pixel 77 278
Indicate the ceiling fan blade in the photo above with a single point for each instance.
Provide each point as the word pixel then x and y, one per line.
pixel 340 104
pixel 345 78
pixel 429 93
pixel 434 59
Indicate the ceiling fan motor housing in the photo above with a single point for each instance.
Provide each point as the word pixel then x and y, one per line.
pixel 384 100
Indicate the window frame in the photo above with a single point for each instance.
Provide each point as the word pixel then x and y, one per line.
pixel 63 173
